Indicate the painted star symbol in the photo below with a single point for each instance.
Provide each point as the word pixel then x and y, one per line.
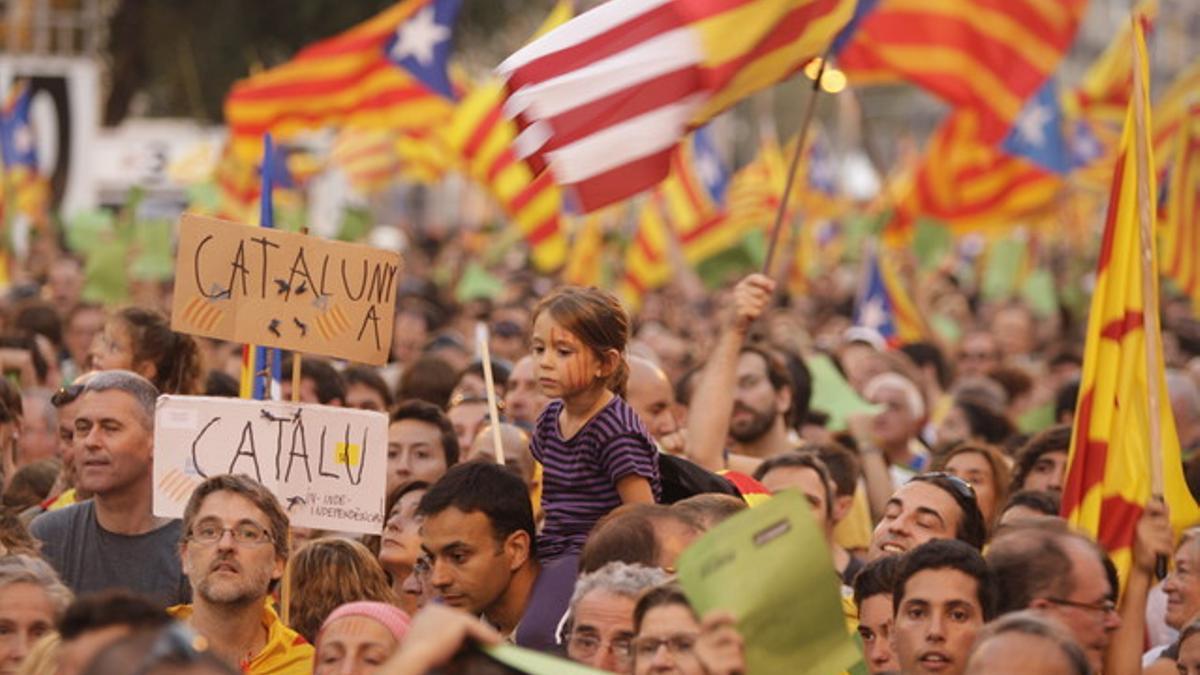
pixel 707 168
pixel 418 36
pixel 1032 123
pixel 872 315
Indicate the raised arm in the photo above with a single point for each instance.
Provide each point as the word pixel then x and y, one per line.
pixel 712 403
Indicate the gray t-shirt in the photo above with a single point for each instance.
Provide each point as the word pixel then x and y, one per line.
pixel 90 558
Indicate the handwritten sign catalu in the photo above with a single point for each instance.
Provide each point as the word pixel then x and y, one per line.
pixel 326 465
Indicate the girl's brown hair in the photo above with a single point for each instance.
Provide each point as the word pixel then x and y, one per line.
pixel 597 319
pixel 176 356
pixel 328 573
pixel 1001 474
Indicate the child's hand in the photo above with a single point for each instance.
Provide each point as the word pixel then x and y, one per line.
pixel 751 297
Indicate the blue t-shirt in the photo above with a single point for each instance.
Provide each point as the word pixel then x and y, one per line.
pixel 580 474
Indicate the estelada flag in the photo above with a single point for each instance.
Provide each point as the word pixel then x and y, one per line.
pixel 389 71
pixel 603 100
pixel 1108 479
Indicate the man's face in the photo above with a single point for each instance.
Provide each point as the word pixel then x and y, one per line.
pixel 936 623
pixel 1047 472
pixel 756 404
pixel 409 334
pixel 918 512
pixel 650 395
pixel 468 418
pixel 1189 657
pixel 977 355
pixel 226 572
pixel 523 401
pixel 875 629
pixel 807 481
pixel 601 632
pixel 896 423
pixel 38 441
pixel 81 331
pixel 468 568
pixel 1182 586
pixel 1090 621
pixel 362 397
pixel 1014 652
pixel 308 391
pixel 414 453
pixel 114 444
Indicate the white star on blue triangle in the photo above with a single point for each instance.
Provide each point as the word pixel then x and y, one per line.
pixel 822 174
pixel 1085 147
pixel 1037 132
pixel 713 173
pixel 874 307
pixel 16 134
pixel 422 45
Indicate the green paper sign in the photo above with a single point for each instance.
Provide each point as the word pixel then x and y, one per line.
pixel 761 565
pixel 833 395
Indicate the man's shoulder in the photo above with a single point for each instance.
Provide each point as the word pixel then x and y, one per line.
pixel 61 519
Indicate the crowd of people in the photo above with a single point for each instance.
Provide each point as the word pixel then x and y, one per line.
pixel 625 439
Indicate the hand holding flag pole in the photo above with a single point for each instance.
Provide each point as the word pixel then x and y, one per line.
pixel 1150 327
pixel 801 139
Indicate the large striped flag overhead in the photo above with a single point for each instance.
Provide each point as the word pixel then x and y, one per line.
pixel 1170 110
pixel 1108 478
pixel 389 71
pixel 603 100
pixel 989 56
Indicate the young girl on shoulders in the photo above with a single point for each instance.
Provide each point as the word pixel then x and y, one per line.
pixel 595 453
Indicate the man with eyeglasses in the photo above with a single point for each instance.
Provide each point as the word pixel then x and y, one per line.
pixel 234 551
pixel 600 631
pixel 1043 566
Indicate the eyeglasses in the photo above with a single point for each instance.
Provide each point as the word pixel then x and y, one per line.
pixel 962 487
pixel 247 533
pixel 677 645
pixel 585 646
pixel 177 645
pixel 1105 607
pixel 66 395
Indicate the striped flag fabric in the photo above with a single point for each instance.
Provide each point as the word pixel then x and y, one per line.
pixel 969 184
pixel 22 180
pixel 1181 227
pixel 1108 479
pixel 989 56
pixel 603 100
pixel 1171 110
pixel 389 71
pixel 647 260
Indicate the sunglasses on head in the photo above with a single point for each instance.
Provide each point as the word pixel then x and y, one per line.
pixel 962 487
pixel 66 395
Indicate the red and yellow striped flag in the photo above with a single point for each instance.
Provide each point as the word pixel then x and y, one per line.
pixel 1108 478
pixel 1171 110
pixel 483 136
pixel 356 78
pixel 989 56
pixel 970 184
pixel 1181 228
pixel 647 263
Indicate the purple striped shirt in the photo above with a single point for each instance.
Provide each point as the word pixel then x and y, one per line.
pixel 580 474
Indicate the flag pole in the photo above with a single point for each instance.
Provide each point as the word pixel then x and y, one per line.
pixel 801 139
pixel 489 381
pixel 1151 332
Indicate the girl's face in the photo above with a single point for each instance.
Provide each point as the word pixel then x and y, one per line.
pixel 401 543
pixel 565 365
pixel 113 348
pixel 976 470
pixel 665 642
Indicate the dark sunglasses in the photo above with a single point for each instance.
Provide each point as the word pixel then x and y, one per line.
pixel 962 487
pixel 66 395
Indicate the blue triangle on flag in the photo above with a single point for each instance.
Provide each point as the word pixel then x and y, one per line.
pixel 1037 133
pixel 422 45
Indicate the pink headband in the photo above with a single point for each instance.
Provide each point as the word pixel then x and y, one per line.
pixel 392 618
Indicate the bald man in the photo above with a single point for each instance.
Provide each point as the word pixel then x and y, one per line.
pixel 651 396
pixel 515 444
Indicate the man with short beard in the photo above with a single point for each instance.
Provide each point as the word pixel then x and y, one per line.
pixel 234 550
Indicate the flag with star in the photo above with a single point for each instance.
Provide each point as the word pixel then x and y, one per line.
pixel 21 179
pixel 1108 478
pixel 884 305
pixel 390 71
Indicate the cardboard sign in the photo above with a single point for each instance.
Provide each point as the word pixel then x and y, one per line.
pixel 326 465
pixel 282 289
